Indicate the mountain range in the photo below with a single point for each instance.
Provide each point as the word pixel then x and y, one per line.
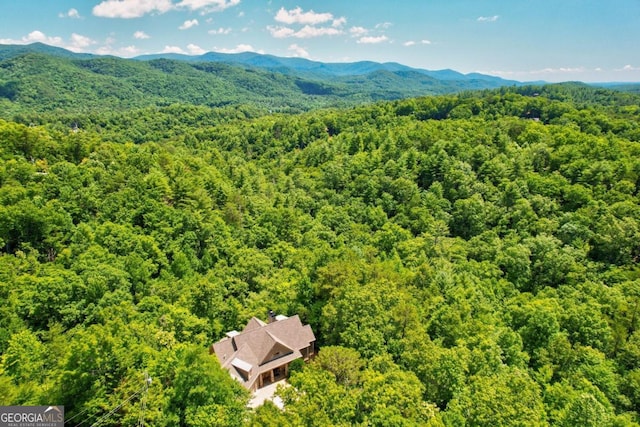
pixel 40 77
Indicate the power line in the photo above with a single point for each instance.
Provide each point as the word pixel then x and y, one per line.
pixel 143 401
pixel 142 390
pixel 111 412
pixel 76 416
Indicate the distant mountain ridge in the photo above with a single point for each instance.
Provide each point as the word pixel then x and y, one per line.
pixel 40 78
pixel 302 66
pixel 315 68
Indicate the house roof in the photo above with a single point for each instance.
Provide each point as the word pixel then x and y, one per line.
pixel 262 346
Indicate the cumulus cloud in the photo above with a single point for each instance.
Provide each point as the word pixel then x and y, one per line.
pixel 188 24
pixel 298 51
pixel 128 51
pixel 297 16
pixel 220 31
pixel 493 18
pixel 305 32
pixel 173 49
pixel 308 31
pixel 413 43
pixel 131 8
pixel 560 70
pixel 33 37
pixel 195 49
pixel 108 49
pixel 281 32
pixel 206 6
pixel 310 22
pixel 358 31
pixel 628 67
pixel 239 49
pixel 76 42
pixel 339 22
pixel 372 39
pixel 138 8
pixel 80 42
pixel 141 35
pixel 71 13
pixel 105 50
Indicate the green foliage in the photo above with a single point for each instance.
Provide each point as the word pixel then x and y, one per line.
pixel 510 398
pixel 462 260
pixel 96 84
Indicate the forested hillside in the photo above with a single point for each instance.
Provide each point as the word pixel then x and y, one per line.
pixel 463 260
pixel 39 79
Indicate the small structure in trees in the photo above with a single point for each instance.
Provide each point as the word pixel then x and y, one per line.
pixel 262 352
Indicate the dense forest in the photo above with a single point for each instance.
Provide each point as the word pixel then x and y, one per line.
pixel 464 260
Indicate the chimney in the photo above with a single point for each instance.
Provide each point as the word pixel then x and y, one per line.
pixel 272 317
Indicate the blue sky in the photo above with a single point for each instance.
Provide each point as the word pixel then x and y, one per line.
pixel 552 40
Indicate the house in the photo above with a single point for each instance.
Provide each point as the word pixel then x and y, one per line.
pixel 262 352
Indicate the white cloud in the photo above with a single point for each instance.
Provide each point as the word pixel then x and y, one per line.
pixel 173 49
pixel 298 51
pixel 141 35
pixel 297 16
pixel 220 31
pixel 131 8
pixel 206 6
pixel 188 24
pixel 80 42
pixel 358 31
pixel 339 22
pixel 305 32
pixel 372 39
pixel 195 49
pixel 139 8
pixel 125 52
pixel 413 43
pixel 308 31
pixel 493 18
pixel 39 36
pixel 384 26
pixel 239 49
pixel 628 67
pixel 281 32
pixel 560 70
pixel 76 43
pixel 71 13
pixel 33 37
pixel 309 21
pixel 105 50
pixel 129 51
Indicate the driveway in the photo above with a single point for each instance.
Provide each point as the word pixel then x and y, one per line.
pixel 266 393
